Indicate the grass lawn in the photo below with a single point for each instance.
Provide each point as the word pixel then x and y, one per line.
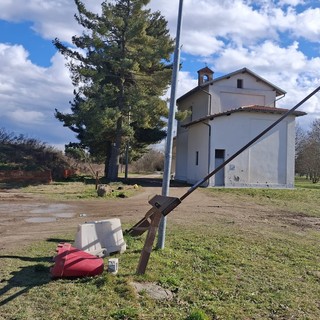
pixel 77 190
pixel 216 271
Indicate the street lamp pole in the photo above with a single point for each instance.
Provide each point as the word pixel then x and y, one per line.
pixel 169 141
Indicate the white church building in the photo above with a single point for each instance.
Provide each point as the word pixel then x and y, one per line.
pixel 224 114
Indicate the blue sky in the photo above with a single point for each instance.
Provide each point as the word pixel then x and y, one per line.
pixel 279 40
pixel 40 50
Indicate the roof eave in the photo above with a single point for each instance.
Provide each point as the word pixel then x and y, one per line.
pixel 243 109
pixel 192 91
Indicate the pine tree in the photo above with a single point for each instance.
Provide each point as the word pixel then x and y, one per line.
pixel 119 71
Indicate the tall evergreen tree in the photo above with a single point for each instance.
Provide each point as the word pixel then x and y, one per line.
pixel 119 71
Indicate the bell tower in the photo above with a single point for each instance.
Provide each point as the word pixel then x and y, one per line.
pixel 205 75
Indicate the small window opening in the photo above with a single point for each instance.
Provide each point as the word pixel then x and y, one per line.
pixel 240 83
pixel 205 78
pixel 197 158
pixel 219 153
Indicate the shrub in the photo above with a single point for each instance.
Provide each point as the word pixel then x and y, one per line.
pixel 197 315
pixel 150 162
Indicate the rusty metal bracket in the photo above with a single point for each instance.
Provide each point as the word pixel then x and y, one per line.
pixel 163 204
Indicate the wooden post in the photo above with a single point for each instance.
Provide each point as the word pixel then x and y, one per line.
pixel 161 206
pixel 97 179
pixel 147 248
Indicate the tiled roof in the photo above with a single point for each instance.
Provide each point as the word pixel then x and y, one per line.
pixel 271 110
pixel 251 108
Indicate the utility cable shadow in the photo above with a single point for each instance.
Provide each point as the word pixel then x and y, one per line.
pixel 25 278
pixel 151 182
pixel 59 240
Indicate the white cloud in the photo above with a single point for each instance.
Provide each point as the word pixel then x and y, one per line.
pixel 26 117
pixel 267 57
pixel 252 41
pixel 200 43
pixel 243 21
pixel 205 20
pixel 283 20
pixel 50 18
pixel 292 3
pixel 186 82
pixel 206 23
pixel 33 85
pixel 29 93
pixel 231 34
pixel 44 14
pixel 286 67
pixel 307 25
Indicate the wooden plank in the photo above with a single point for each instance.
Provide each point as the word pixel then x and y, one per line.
pixel 141 226
pixel 161 206
pixel 147 248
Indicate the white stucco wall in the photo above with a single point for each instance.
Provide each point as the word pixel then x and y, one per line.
pixel 198 142
pixel 267 163
pixel 198 103
pixel 181 165
pixel 226 95
pixel 268 156
pixel 182 142
pixel 233 100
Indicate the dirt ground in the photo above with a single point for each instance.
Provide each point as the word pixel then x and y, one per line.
pixel 25 218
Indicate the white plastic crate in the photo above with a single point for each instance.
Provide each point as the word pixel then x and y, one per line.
pixel 100 237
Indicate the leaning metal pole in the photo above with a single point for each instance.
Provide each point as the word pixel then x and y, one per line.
pixel 163 205
pixel 169 141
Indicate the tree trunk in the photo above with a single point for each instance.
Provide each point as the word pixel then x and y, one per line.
pixel 116 146
pixel 113 167
pixel 107 158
